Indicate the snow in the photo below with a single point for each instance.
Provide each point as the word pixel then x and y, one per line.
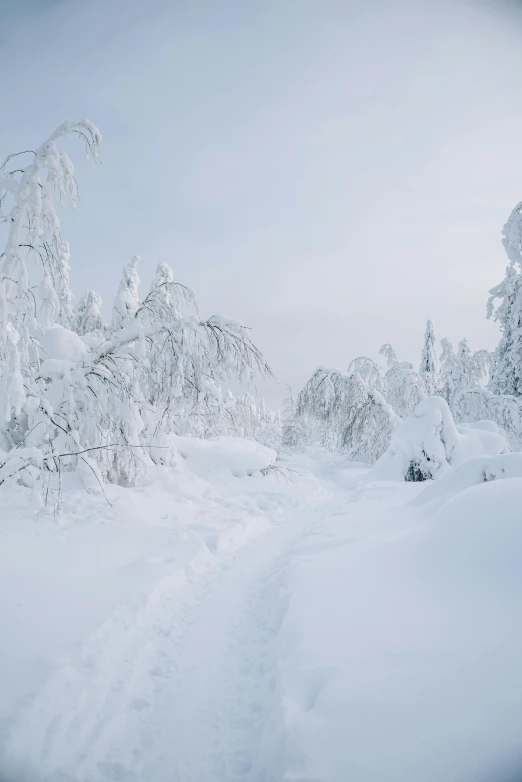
pixel 62 344
pixel 470 473
pixel 250 606
pixel 430 442
pixel 229 455
pixel 321 625
pixel 399 649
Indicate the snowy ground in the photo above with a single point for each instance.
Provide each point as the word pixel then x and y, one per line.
pixel 210 628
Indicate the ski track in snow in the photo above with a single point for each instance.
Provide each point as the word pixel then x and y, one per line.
pixel 184 690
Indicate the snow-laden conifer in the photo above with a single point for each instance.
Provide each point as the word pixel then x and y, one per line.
pixel 87 318
pixel 507 369
pixel 126 303
pixel 429 369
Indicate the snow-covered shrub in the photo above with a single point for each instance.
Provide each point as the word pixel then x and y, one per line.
pixel 225 455
pixel 114 395
pixel 470 473
pixel 429 442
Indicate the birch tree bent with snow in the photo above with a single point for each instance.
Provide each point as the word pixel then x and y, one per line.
pixel 106 399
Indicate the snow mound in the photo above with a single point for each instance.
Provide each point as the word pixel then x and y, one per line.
pixel 479 531
pixel 471 473
pixel 61 343
pixel 429 442
pixel 229 455
pixel 400 634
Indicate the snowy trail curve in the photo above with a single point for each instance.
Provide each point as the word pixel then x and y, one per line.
pixel 187 690
pixel 284 633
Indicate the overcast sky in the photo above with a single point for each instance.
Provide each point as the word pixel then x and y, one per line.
pixel 330 173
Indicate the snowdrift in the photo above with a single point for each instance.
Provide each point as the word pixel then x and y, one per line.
pixel 429 442
pixel 229 455
pixel 401 635
pixel 105 558
pixel 61 344
pixel 471 473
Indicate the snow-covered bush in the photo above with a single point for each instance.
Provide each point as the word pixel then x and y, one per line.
pixel 429 442
pixel 225 455
pixel 110 398
pixel 470 473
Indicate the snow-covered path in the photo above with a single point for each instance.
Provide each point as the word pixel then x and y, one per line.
pixel 217 714
pixel 280 634
pixel 185 688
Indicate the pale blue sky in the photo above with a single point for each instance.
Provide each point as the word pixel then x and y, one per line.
pixel 330 173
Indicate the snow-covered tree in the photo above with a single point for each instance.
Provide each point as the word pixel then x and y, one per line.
pixel 368 371
pixel 429 363
pixel 507 369
pixel 403 388
pixel 105 406
pixel 49 309
pixel 447 360
pixel 293 434
pixel 27 202
pixel 470 370
pixel 479 404
pixel 61 285
pixel 166 298
pixel 88 317
pixel 246 418
pixel 342 411
pixel 126 303
pixel 389 354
